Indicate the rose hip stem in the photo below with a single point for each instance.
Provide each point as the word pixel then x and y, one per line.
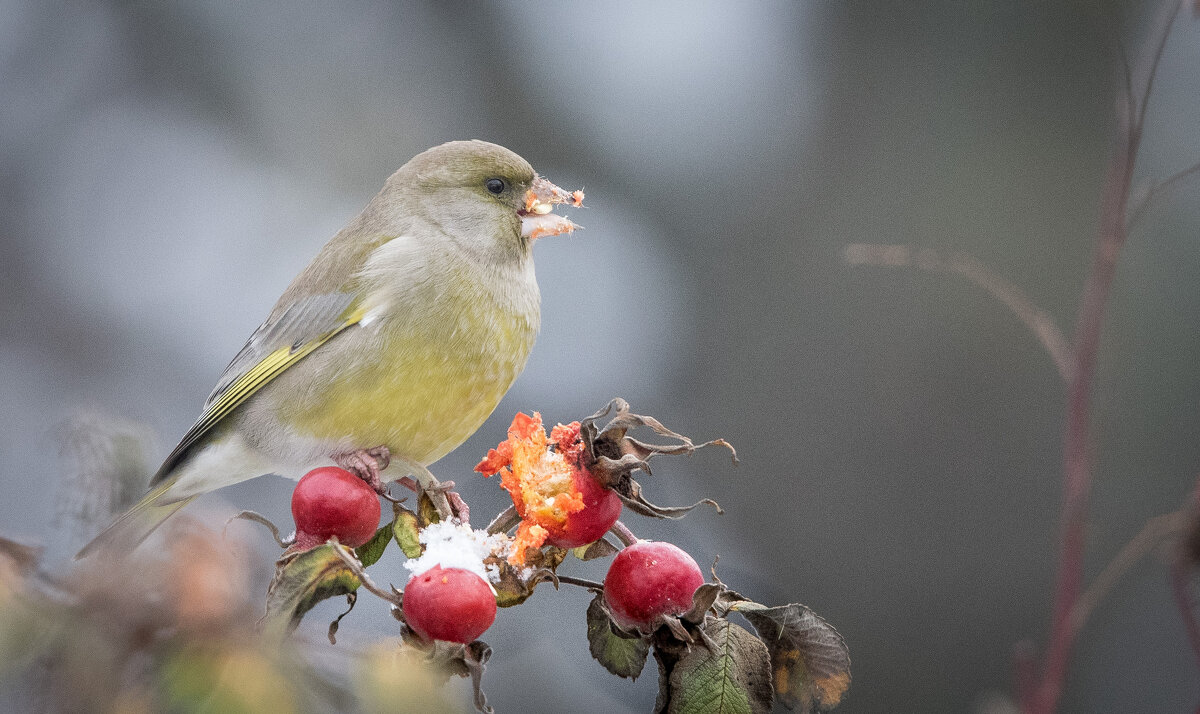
pixel 621 531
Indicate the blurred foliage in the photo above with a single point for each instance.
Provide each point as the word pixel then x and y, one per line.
pixel 177 631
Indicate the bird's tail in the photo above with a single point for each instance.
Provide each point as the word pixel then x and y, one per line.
pixel 136 525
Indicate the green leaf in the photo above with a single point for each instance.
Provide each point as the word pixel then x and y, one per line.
pixel 810 659
pixel 623 656
pixel 406 530
pixel 730 673
pixel 302 579
pixel 370 552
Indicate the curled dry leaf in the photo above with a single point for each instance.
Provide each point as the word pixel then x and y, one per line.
pixel 810 659
pixel 600 549
pixel 615 456
pixel 302 579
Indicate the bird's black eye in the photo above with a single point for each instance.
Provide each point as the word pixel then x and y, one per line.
pixel 495 185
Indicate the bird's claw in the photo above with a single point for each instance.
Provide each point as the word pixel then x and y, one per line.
pixel 367 465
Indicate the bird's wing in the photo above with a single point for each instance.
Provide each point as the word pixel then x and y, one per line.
pixel 284 339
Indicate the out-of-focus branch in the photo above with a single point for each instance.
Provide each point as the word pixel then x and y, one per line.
pixel 1078 452
pixel 1183 570
pixel 1155 532
pixel 1038 321
pixel 1158 189
pixel 1183 598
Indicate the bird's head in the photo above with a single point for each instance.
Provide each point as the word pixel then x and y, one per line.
pixel 485 198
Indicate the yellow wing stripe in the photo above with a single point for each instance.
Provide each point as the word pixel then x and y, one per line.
pixel 245 386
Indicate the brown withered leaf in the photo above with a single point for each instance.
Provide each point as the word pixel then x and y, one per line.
pixel 702 601
pixel 516 584
pixel 810 659
pixel 302 579
pixel 600 549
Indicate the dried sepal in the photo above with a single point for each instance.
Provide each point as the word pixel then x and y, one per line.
pixel 613 456
pixel 450 659
pixel 516 583
pixel 614 442
pixel 637 503
pixel 259 518
pixel 351 599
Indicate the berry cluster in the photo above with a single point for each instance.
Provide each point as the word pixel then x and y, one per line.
pixel 568 489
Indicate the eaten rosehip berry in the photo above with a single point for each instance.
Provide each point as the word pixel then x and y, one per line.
pixel 330 501
pixel 559 501
pixel 601 509
pixel 449 604
pixel 649 579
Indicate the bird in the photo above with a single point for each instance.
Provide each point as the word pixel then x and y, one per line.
pixel 390 348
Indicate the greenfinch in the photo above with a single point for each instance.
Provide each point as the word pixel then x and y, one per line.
pixel 390 348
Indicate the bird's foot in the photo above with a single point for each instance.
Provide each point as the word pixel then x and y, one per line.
pixel 367 464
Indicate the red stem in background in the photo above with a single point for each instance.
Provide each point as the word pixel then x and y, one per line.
pixel 1077 444
pixel 1179 587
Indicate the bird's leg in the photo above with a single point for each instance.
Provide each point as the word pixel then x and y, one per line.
pixel 366 464
pixel 448 503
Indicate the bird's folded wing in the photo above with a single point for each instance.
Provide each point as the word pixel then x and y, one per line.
pixel 283 340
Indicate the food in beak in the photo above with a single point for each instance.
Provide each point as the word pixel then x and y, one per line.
pixel 537 221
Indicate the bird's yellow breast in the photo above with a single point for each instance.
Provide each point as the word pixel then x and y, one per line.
pixel 426 386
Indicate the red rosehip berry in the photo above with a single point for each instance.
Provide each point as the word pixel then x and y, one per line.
pixel 330 501
pixel 449 604
pixel 649 579
pixel 601 509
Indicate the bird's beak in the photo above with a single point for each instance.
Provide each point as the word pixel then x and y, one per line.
pixel 537 220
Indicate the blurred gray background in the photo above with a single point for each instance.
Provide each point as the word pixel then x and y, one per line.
pixel 167 167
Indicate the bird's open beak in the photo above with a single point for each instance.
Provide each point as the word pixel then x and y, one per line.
pixel 537 220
